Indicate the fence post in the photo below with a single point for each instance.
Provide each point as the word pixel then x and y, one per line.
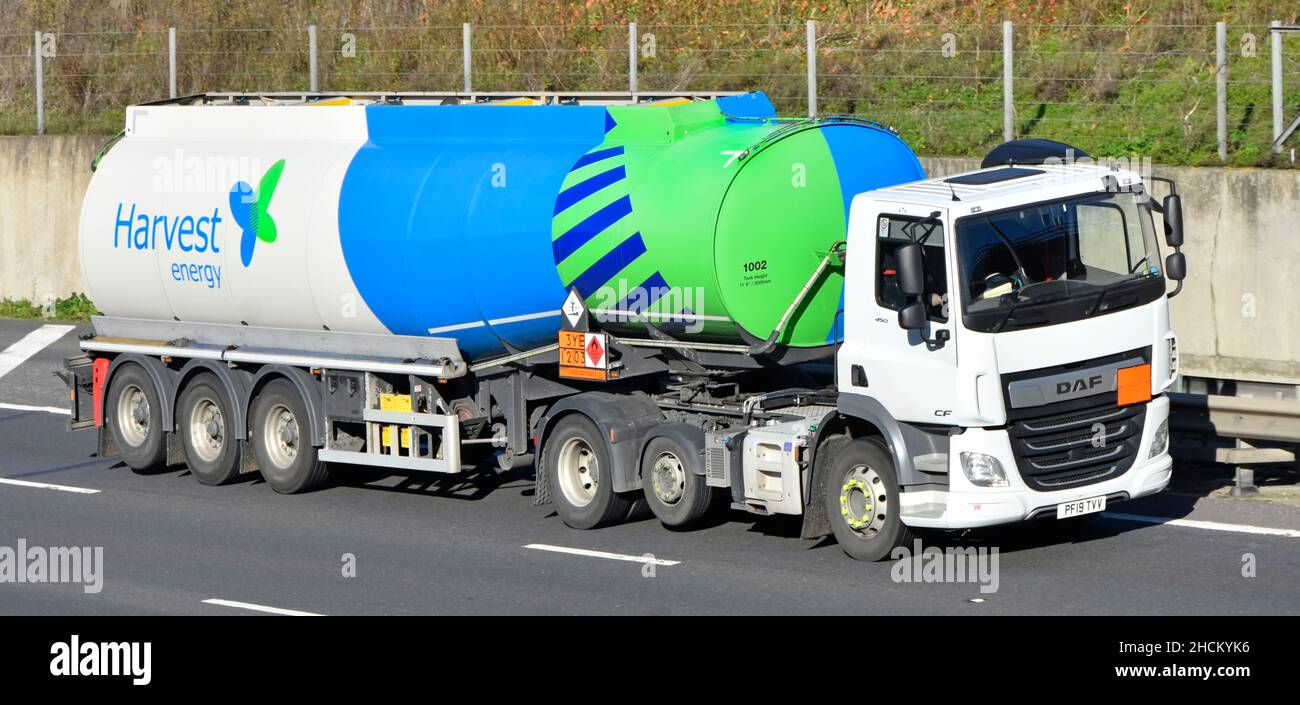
pixel 171 62
pixel 1221 86
pixel 631 59
pixel 465 54
pixel 1008 84
pixel 1277 84
pixel 40 85
pixel 311 56
pixel 812 68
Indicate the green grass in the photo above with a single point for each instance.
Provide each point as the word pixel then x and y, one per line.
pixel 75 308
pixel 1117 78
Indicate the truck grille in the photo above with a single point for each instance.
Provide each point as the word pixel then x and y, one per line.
pixel 1063 449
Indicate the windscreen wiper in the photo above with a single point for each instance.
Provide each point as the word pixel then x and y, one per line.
pixel 1019 300
pixel 1105 291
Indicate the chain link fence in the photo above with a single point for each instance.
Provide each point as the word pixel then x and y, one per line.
pixel 1146 89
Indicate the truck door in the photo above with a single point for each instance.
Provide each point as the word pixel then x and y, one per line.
pixel 915 380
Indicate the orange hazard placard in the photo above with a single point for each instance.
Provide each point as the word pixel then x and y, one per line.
pixel 584 355
pixel 1134 384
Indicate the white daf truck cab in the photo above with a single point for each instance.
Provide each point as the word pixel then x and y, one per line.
pixel 1008 331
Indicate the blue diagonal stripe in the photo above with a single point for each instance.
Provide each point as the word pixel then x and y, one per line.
pixel 582 189
pixel 583 232
pixel 598 155
pixel 606 267
pixel 636 302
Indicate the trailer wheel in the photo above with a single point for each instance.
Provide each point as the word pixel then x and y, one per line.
pixel 134 414
pixel 862 502
pixel 578 465
pixel 675 494
pixel 279 433
pixel 211 450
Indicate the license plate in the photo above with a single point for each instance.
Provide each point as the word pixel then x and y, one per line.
pixel 1091 505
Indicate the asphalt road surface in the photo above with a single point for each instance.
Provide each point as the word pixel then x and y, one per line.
pixel 474 545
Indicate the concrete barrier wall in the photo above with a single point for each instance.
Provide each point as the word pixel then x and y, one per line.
pixel 42 182
pixel 1237 318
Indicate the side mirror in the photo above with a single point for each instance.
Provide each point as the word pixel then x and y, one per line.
pixel 1173 208
pixel 911 272
pixel 1176 266
pixel 912 316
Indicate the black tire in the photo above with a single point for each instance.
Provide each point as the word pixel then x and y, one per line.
pixel 867 525
pixel 133 412
pixel 205 421
pixel 278 432
pixel 676 495
pixel 578 469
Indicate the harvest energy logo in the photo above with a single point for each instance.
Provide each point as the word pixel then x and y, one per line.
pixel 194 239
pixel 249 208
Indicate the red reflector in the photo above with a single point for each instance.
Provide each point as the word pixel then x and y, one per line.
pixel 98 375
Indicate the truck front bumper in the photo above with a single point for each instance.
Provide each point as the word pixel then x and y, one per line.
pixel 965 506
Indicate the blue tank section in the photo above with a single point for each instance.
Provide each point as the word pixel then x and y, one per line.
pixel 445 214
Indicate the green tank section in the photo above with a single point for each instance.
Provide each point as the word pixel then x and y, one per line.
pixel 734 215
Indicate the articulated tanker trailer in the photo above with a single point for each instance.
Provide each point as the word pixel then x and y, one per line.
pixel 658 301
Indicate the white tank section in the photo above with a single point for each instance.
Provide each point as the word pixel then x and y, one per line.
pixel 159 239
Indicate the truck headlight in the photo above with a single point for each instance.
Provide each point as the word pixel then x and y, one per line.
pixel 1160 441
pixel 983 470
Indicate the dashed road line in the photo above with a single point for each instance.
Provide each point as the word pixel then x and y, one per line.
pixel 29 345
pixel 648 559
pixel 259 608
pixel 1211 525
pixel 47 486
pixel 42 409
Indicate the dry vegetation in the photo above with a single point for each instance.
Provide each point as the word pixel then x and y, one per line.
pixel 1114 77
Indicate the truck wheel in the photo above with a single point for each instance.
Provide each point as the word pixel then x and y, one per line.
pixel 578 466
pixel 675 494
pixel 862 502
pixel 211 450
pixel 279 434
pixel 134 414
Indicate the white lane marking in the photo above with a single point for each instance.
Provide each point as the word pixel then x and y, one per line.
pixel 260 608
pixel 45 409
pixel 1211 525
pixel 46 486
pixel 600 554
pixel 30 344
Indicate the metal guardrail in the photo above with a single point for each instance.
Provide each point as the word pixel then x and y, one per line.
pixel 1249 418
pixel 1246 420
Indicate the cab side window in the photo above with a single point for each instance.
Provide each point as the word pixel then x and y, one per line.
pixel 894 231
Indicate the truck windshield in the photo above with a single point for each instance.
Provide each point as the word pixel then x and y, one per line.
pixel 1057 261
